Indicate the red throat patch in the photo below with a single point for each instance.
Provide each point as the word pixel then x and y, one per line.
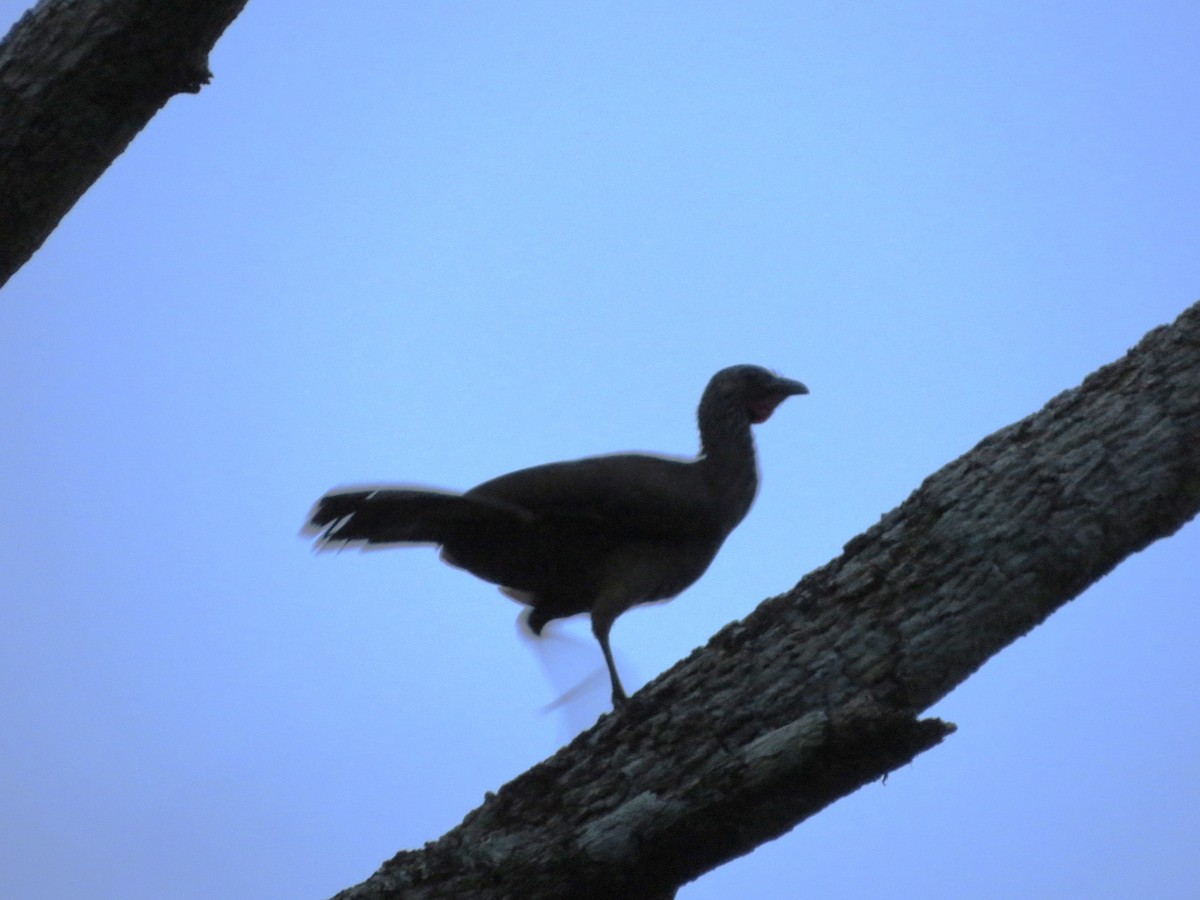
pixel 761 409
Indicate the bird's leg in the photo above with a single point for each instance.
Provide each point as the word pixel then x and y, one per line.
pixel 600 628
pixel 618 693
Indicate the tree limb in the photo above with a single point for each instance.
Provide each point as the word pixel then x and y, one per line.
pixel 78 79
pixel 818 691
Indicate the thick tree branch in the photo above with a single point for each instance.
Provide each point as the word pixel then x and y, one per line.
pixel 818 691
pixel 78 79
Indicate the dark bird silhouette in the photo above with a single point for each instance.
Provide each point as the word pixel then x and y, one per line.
pixel 596 535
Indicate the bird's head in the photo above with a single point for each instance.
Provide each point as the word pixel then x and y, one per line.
pixel 752 389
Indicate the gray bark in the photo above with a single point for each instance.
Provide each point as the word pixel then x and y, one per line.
pixel 78 79
pixel 819 691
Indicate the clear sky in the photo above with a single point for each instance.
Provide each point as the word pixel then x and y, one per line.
pixel 433 242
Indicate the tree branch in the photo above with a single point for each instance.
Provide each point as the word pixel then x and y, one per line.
pixel 818 691
pixel 78 79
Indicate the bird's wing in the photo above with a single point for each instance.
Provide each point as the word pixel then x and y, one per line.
pixel 628 495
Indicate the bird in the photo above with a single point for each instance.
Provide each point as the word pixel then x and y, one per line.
pixel 597 535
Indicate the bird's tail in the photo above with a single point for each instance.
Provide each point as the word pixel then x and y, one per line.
pixel 394 515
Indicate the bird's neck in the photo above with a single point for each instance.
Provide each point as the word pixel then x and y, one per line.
pixel 728 460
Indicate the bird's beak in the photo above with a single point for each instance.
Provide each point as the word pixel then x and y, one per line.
pixel 783 388
pixel 789 388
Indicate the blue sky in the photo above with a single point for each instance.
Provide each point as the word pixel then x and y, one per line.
pixel 435 242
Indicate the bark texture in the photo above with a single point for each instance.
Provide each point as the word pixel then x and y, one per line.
pixel 78 79
pixel 818 692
